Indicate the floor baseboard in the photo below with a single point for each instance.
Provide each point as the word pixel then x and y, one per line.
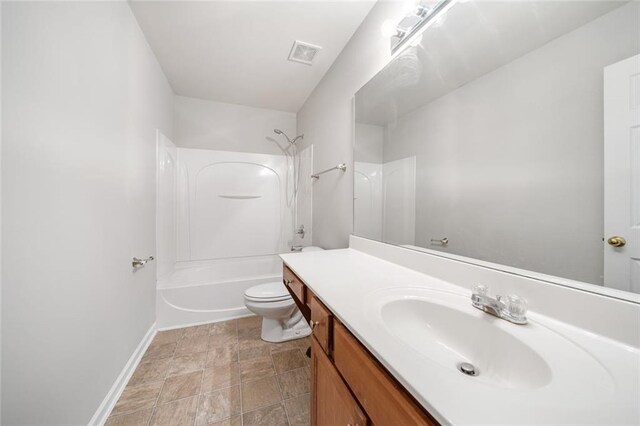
pixel 101 415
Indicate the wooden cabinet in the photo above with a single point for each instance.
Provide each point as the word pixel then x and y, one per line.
pixel 331 401
pixel 348 385
pixel 321 323
pixel 382 397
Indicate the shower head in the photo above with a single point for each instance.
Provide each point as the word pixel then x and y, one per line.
pixel 291 142
pixel 284 150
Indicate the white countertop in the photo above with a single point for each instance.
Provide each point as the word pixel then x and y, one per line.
pixel 607 394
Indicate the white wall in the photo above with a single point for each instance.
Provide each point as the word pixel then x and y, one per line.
pixel 229 127
pixel 326 120
pixel 83 98
pixel 510 166
pixel 369 147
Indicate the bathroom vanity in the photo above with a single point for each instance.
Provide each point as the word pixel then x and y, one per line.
pixel 392 325
pixel 349 386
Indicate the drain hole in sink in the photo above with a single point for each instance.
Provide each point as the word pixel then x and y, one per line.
pixel 468 369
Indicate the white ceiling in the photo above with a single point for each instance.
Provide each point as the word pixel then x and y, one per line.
pixel 236 51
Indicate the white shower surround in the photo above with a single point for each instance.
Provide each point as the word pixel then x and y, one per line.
pixel 231 221
pixel 231 204
pixel 166 207
pixel 385 200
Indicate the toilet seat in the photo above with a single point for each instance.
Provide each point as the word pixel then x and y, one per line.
pixel 281 318
pixel 269 292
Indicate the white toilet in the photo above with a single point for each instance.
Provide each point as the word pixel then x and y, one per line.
pixel 281 318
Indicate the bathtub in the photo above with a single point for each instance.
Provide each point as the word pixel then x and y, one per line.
pixel 208 291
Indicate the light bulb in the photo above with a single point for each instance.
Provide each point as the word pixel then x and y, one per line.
pixel 409 7
pixel 389 28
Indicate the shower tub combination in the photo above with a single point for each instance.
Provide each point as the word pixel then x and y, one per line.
pixel 206 291
pixel 222 219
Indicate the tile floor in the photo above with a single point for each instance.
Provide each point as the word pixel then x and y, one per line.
pixel 217 374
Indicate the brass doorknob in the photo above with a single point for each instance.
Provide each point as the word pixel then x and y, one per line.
pixel 617 241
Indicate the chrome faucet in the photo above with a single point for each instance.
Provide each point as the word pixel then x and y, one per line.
pixel 511 308
pixel 296 248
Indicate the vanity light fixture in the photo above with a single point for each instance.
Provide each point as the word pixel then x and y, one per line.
pixel 418 17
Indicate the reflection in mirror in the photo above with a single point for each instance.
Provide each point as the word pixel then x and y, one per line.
pixel 509 133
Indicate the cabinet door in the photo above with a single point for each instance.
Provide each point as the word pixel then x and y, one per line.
pixel 386 401
pixel 332 403
pixel 321 323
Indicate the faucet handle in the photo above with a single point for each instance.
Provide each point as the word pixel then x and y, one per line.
pixel 480 290
pixel 515 305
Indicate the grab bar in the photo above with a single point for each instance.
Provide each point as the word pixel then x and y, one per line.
pixel 341 166
pixel 239 197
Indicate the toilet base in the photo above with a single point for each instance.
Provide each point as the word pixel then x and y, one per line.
pixel 282 330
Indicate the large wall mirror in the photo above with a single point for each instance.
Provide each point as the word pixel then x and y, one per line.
pixel 508 132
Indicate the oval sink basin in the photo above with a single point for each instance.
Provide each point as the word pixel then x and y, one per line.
pixel 450 336
pixel 443 327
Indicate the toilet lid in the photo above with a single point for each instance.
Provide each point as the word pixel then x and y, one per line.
pixel 268 292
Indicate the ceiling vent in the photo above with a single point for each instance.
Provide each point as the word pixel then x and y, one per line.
pixel 303 52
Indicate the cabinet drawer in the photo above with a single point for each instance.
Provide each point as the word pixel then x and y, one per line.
pixel 382 397
pixel 321 323
pixel 295 285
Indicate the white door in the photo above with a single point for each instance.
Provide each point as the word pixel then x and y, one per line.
pixel 622 175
